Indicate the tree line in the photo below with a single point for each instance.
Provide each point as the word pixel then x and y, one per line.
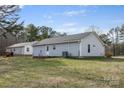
pixel 10 24
pixel 114 38
pixel 13 31
pixel 38 33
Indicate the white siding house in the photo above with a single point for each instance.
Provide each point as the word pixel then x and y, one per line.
pixel 21 48
pixel 96 46
pixel 78 45
pixel 56 49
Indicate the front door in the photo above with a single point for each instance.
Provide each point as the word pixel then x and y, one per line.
pixel 47 51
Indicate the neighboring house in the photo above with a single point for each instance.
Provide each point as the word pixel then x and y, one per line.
pixel 9 40
pixel 21 48
pixel 77 45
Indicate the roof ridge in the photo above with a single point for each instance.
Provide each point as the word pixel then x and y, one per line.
pixel 67 35
pixel 63 39
pixel 22 44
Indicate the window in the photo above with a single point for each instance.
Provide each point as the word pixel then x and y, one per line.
pixel 88 48
pixel 54 47
pixel 94 46
pixel 40 51
pixel 27 49
pixel 47 48
pixel 11 50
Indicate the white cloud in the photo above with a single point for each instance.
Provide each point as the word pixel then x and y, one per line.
pixel 70 24
pixel 21 6
pixel 71 29
pixel 118 21
pixel 71 13
pixel 74 13
pixel 77 30
pixel 47 16
pixel 48 19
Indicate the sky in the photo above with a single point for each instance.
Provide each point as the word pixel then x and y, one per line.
pixel 73 19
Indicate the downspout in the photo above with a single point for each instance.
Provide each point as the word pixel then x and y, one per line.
pixel 80 49
pixel 68 48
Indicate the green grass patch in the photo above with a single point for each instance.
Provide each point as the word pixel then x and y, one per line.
pixel 61 72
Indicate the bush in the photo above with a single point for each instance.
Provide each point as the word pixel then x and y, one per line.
pixel 9 54
pixel 108 54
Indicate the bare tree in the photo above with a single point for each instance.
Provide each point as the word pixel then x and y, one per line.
pixel 9 20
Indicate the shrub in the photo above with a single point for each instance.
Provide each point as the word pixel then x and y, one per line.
pixel 108 54
pixel 9 54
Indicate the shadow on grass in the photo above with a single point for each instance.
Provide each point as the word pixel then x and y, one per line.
pixel 22 62
pixel 6 68
pixel 50 62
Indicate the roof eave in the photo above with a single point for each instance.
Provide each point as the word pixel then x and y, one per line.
pixel 55 43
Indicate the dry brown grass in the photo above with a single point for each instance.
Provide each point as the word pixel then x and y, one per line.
pixel 61 72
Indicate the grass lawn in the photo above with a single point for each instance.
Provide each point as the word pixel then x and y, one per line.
pixel 61 72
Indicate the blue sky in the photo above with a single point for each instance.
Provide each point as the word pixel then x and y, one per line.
pixel 73 19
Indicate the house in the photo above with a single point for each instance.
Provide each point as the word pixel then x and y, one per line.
pixel 85 44
pixel 8 40
pixel 21 48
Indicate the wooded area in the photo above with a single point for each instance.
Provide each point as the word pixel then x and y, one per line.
pixel 115 40
pixel 12 31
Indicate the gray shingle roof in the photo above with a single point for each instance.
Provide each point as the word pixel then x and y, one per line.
pixel 63 39
pixel 22 44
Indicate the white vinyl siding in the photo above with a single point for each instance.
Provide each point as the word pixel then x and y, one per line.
pixel 18 50
pixel 21 50
pixel 30 50
pixel 72 48
pixel 96 47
